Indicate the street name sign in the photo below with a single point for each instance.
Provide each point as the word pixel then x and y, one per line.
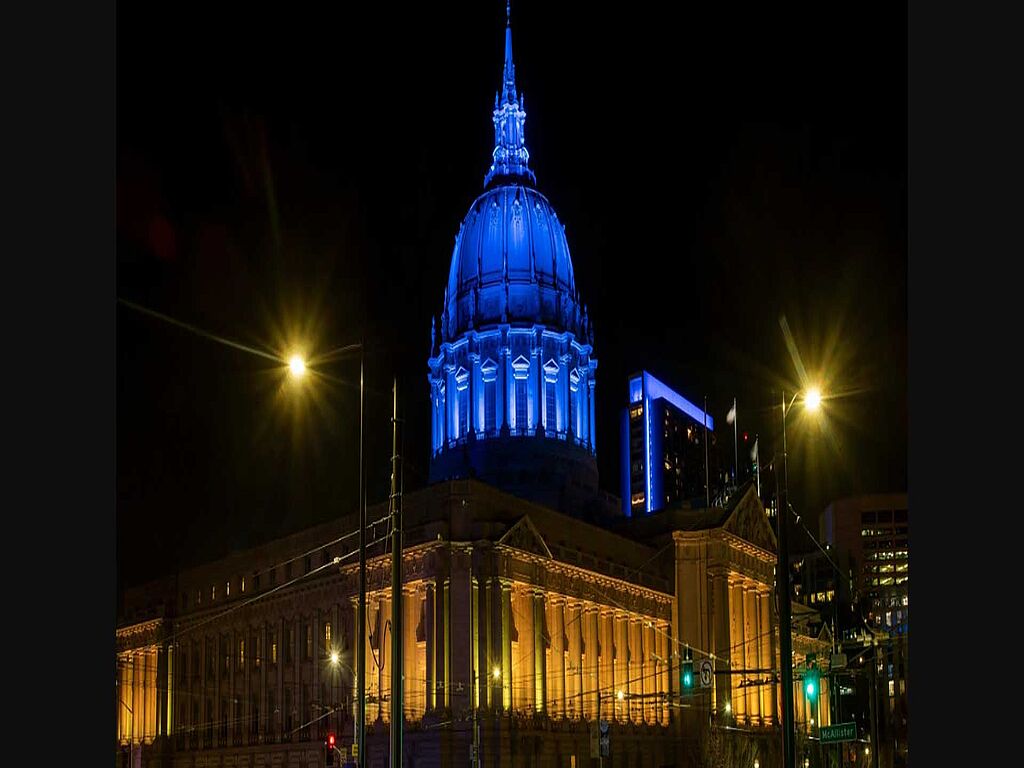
pixel 840 732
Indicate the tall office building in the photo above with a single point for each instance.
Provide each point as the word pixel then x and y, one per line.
pixel 663 449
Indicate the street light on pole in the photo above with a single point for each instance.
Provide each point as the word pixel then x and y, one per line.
pixel 297 368
pixel 812 401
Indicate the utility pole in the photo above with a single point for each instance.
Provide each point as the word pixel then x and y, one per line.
pixel 872 704
pixel 397 636
pixel 785 608
pixel 360 725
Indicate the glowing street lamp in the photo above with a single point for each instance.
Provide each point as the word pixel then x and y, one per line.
pixel 812 400
pixel 297 370
pixel 496 673
pixel 335 658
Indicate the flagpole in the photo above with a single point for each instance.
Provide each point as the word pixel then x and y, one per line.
pixel 707 483
pixel 735 446
pixel 757 464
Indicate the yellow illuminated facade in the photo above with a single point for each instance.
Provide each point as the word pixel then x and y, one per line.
pixel 507 621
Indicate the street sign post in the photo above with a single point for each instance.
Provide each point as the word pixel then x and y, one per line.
pixel 831 734
pixel 707 673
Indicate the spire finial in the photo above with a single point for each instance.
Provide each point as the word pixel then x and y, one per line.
pixel 510 156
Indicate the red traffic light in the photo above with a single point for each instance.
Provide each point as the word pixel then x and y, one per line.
pixel 330 740
pixel 746 436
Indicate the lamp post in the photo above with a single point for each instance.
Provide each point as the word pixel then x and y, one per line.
pixel 297 368
pixel 812 400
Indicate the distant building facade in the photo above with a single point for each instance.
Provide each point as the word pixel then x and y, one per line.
pixel 870 536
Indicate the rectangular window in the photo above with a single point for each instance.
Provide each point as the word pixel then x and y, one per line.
pixel 462 403
pixel 550 409
pixel 243 585
pixel 257 650
pixel 273 649
pixel 213 592
pixel 289 644
pixel 309 563
pixel 327 636
pixel 241 654
pixel 490 406
pixel 309 640
pixel 520 397
pixel 227 589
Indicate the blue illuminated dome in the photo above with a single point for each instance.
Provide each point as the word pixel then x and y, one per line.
pixel 512 375
pixel 510 264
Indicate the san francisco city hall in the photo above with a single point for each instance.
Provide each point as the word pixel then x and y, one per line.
pixel 521 618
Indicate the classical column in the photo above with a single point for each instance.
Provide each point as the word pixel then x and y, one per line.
pixel 431 646
pixel 664 650
pixel 539 652
pixel 650 672
pixel 412 672
pixel 524 674
pixel 591 431
pixel 750 629
pixel 573 703
pixel 451 398
pixel 477 676
pixel 506 644
pixel 556 668
pixel 590 660
pixel 606 670
pixel 507 382
pixel 621 670
pixel 475 396
pixel 636 663
pixel 536 384
pixel 444 642
pixel 218 667
pixel 460 642
pixel 723 625
pixel 739 699
pixel 282 638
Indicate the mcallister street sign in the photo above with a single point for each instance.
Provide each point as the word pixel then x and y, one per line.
pixel 839 732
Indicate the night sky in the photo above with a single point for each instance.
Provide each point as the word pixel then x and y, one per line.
pixel 297 175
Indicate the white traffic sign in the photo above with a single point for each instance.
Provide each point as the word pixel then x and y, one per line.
pixel 707 673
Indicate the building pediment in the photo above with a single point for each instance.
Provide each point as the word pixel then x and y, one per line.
pixel 749 521
pixel 525 536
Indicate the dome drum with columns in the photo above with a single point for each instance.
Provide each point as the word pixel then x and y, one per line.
pixel 512 376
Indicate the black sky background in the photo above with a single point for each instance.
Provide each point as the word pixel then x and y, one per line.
pixel 301 172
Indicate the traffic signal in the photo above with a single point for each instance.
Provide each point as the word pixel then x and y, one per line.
pixel 329 749
pixel 796 580
pixel 686 675
pixel 811 683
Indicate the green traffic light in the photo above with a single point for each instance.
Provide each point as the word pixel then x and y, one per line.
pixel 810 689
pixel 687 676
